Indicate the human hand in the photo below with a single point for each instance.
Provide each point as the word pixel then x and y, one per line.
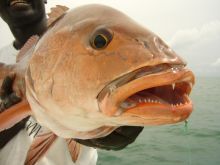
pixel 7 96
pixel 117 140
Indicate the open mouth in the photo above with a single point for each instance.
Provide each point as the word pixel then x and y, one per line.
pixel 19 4
pixel 176 94
pixel 158 90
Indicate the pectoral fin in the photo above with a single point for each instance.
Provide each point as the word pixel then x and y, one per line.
pixel 14 114
pixel 39 147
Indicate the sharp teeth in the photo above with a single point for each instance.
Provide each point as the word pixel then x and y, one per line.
pixel 173 86
pixel 174 69
pixel 145 100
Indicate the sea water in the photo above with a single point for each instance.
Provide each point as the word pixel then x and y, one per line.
pixel 197 143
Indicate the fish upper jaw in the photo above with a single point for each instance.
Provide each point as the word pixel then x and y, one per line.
pixel 149 96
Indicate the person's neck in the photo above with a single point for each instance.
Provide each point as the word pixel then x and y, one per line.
pixel 23 33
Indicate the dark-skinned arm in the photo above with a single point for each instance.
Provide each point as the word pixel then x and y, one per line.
pixel 7 99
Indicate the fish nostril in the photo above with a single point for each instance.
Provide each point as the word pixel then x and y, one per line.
pixel 137 40
pixel 145 44
pixel 142 42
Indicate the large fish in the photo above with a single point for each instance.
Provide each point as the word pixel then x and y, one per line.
pixel 94 70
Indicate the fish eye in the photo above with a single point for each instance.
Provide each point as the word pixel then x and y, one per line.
pixel 101 39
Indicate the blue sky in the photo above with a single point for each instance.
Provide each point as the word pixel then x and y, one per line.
pixel 190 27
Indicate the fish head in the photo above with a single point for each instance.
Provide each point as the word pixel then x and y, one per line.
pixel 96 69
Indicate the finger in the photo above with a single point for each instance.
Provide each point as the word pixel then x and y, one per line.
pixel 9 101
pixel 6 88
pixel 19 86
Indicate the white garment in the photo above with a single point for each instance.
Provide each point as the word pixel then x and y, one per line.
pixel 8 54
pixel 14 152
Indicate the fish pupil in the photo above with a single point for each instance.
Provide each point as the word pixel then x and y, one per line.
pixel 100 41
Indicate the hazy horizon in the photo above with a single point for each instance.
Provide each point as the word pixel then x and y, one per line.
pixel 190 27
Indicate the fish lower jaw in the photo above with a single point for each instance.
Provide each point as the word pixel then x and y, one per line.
pixel 145 98
pixel 146 112
pixel 157 106
pixel 148 101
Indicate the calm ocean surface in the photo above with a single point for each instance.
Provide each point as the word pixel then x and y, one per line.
pixel 173 144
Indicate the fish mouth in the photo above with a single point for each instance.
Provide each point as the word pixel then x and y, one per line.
pixel 19 4
pixel 149 96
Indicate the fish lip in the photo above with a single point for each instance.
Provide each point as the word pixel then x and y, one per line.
pixel 112 95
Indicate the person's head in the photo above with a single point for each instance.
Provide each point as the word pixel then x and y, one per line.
pixel 20 13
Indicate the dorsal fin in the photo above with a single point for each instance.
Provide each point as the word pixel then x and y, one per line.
pixel 56 13
pixel 27 46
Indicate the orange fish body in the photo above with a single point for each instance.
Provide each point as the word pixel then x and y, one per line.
pixel 95 69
